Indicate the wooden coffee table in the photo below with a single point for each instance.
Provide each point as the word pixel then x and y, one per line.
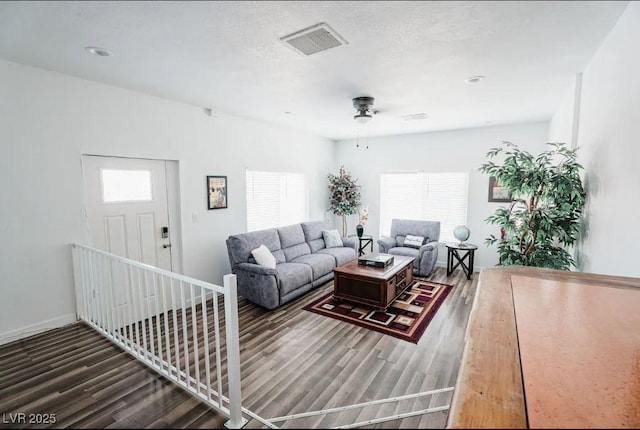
pixel 374 286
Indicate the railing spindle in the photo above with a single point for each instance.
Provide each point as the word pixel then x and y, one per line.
pixel 150 313
pixel 133 310
pixel 175 332
pixel 157 324
pixel 94 294
pixel 216 322
pixel 205 332
pixel 104 297
pixel 194 330
pixel 140 312
pixel 187 358
pixel 166 323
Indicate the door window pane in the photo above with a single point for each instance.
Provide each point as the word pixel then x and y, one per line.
pixel 126 186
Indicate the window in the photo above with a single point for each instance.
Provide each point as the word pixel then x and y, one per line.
pixel 428 196
pixel 120 186
pixel 275 199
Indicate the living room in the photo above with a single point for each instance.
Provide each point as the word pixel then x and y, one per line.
pixel 51 115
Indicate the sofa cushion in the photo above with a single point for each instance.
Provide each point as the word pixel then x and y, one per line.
pixel 313 229
pixel 321 264
pixel 316 245
pixel 414 241
pixel 313 234
pixel 280 258
pixel 290 235
pixel 239 246
pixel 292 276
pixel 407 252
pixel 264 257
pixel 341 255
pixel 332 238
pixel 296 251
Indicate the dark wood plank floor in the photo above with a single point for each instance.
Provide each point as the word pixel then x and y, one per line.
pixel 292 361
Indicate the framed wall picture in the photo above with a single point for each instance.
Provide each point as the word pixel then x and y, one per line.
pixel 497 193
pixel 217 192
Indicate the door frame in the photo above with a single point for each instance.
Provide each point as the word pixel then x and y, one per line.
pixel 172 178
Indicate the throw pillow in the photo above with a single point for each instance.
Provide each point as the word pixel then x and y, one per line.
pixel 332 238
pixel 264 257
pixel 414 241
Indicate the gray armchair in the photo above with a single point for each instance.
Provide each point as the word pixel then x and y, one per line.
pixel 425 257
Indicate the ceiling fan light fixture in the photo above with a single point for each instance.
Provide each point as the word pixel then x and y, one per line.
pixel 363 106
pixel 362 117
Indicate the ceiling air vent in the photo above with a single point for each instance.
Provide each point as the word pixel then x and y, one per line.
pixel 415 116
pixel 319 37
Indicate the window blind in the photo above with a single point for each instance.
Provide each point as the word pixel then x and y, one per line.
pixel 275 199
pixel 424 195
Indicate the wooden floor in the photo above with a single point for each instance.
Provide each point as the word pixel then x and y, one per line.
pixel 292 361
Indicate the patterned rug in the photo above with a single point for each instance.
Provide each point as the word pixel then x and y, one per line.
pixel 406 318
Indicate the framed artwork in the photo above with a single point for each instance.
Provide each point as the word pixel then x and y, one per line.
pixel 497 193
pixel 217 192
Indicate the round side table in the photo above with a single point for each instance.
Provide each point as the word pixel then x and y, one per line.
pixel 460 252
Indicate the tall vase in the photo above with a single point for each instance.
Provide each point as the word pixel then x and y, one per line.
pixel 359 230
pixel 344 226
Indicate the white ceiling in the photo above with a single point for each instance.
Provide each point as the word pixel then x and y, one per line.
pixel 412 57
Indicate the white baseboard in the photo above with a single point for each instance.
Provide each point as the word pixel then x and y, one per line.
pixel 32 329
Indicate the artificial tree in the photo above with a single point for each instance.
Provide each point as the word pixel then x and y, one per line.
pixel 345 196
pixel 548 198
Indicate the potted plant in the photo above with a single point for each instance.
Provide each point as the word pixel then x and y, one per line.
pixel 547 202
pixel 345 196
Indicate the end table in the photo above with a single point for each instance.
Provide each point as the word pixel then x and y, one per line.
pixel 363 242
pixel 454 250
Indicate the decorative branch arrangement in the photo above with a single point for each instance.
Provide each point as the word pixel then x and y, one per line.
pixel 548 199
pixel 364 215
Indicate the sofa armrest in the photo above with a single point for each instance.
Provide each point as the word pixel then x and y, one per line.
pixel 386 243
pixel 258 284
pixel 256 268
pixel 350 242
pixel 429 246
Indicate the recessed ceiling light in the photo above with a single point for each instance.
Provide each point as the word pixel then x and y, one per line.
pixel 287 113
pixel 474 79
pixel 98 51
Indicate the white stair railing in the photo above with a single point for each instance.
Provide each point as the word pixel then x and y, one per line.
pixel 168 321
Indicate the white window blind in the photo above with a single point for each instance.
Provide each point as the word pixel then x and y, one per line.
pixel 275 199
pixel 428 196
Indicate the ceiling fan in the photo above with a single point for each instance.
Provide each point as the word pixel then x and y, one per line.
pixel 364 107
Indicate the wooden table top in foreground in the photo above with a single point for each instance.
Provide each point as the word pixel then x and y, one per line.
pixel 551 328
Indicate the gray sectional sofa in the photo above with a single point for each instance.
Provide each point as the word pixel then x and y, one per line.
pixel 303 262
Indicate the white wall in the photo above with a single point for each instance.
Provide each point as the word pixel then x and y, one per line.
pixel 47 120
pixel 608 135
pixel 563 125
pixel 451 151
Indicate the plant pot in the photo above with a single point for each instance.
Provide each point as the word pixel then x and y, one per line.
pixel 359 230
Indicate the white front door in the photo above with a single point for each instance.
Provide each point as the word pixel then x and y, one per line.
pixel 127 214
pixel 127 208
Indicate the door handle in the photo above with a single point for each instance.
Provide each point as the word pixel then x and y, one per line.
pixel 166 245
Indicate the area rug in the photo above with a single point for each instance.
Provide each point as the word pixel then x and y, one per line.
pixel 406 318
